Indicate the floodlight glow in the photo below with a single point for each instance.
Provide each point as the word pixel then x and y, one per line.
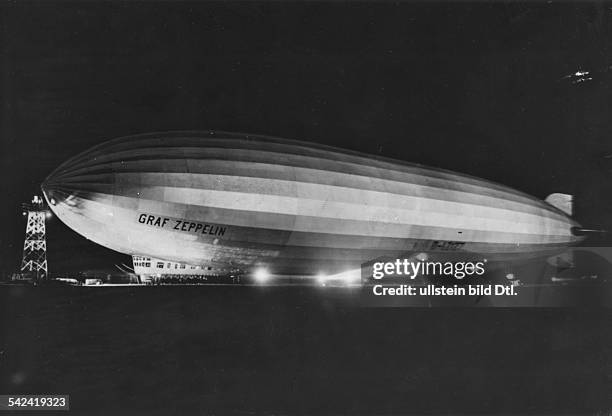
pixel 348 277
pixel 261 275
pixel 321 279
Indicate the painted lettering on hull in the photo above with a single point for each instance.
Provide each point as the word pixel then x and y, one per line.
pixel 181 225
pixel 447 245
pixel 427 245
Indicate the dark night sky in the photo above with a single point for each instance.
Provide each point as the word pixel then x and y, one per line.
pixel 475 88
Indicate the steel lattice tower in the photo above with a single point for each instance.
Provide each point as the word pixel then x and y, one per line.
pixel 35 245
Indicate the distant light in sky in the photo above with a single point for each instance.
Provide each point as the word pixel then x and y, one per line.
pixel 578 77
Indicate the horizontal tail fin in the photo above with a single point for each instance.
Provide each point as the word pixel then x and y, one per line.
pixel 564 202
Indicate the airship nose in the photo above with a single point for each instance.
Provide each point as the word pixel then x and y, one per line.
pixel 49 194
pixel 62 186
pixel 51 189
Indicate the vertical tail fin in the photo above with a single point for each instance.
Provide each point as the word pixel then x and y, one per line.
pixel 564 202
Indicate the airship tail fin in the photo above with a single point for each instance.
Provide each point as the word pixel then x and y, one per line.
pixel 564 202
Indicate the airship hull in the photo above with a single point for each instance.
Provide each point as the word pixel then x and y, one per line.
pixel 238 202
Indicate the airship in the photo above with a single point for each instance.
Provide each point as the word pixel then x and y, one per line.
pixel 240 202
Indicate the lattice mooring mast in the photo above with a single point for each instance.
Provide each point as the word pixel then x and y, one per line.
pixel 34 259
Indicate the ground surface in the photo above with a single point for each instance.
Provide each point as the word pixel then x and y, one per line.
pixel 288 350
